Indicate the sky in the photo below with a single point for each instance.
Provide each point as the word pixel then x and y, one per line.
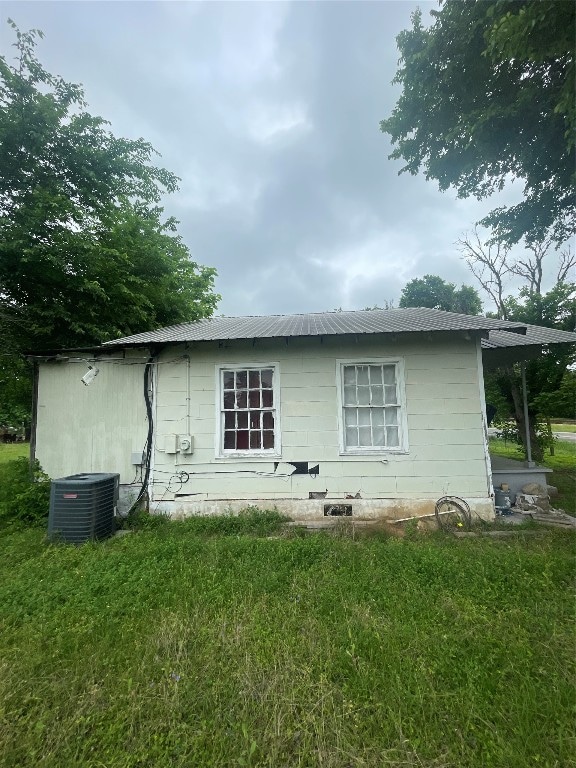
pixel 269 113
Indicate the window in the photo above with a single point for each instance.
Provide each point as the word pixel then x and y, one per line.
pixel 248 410
pixel 371 404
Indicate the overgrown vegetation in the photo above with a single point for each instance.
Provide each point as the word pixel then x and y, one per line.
pixel 24 495
pixel 182 646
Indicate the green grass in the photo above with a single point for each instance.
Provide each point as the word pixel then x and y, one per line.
pixel 10 451
pixel 563 463
pixel 198 644
pixel 563 427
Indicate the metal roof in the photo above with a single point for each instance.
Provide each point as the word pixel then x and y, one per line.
pixel 535 335
pixel 409 320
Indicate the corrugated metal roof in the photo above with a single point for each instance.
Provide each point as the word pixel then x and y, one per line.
pixel 535 335
pixel 410 320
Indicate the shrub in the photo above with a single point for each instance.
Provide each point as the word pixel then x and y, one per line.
pixel 24 496
pixel 509 432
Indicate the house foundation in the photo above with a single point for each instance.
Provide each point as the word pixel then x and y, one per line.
pixel 369 510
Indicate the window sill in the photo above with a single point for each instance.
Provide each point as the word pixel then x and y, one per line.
pixel 249 456
pixel 380 454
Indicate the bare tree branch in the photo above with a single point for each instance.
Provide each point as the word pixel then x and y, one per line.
pixel 531 269
pixel 567 262
pixel 488 263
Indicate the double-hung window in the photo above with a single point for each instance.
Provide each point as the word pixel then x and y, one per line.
pixel 248 410
pixel 372 410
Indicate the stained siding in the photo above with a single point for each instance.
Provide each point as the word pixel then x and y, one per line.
pixel 94 428
pixel 444 415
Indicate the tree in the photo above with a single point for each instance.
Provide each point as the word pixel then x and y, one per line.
pixel 493 266
pixel 489 95
pixel 433 292
pixel 85 251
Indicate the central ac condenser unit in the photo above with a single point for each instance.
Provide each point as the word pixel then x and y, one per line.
pixel 82 507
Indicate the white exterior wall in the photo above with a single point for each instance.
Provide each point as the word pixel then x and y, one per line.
pixel 446 435
pixel 97 428
pixel 90 428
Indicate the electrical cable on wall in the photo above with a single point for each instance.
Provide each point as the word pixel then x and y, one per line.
pixel 148 445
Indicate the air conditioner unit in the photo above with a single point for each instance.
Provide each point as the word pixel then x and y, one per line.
pixel 82 507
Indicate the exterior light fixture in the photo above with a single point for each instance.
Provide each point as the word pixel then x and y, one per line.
pixel 90 375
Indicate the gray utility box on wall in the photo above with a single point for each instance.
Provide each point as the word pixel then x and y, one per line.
pixel 82 507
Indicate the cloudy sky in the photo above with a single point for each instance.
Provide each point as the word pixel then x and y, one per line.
pixel 269 112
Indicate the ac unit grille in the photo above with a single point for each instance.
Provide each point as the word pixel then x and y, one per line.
pixel 82 507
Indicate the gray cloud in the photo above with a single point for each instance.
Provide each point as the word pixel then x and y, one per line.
pixel 269 113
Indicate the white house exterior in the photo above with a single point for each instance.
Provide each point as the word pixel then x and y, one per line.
pixel 385 420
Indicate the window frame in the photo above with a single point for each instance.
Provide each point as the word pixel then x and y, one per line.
pixel 403 447
pixel 220 451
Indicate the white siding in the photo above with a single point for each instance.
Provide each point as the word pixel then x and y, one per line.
pixel 94 428
pixel 444 416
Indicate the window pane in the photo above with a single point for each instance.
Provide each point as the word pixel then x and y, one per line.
pixel 364 417
pixel 268 439
pixel 349 395
pixel 349 375
pixel 241 400
pixel 392 437
pixel 378 417
pixel 266 376
pixel 391 417
pixel 389 374
pixel 351 437
pixel 378 436
pixel 246 426
pixel 375 374
pixel 351 417
pixel 377 395
pixel 365 436
pixel 362 374
pixel 363 395
pixel 389 395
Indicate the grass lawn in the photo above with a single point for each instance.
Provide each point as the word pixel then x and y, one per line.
pixel 201 644
pixel 9 451
pixel 563 427
pixel 563 463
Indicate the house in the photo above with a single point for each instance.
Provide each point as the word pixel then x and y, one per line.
pixel 375 413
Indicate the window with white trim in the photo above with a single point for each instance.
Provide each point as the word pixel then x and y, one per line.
pixel 372 411
pixel 248 410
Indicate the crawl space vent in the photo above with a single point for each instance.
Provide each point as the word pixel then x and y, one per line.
pixel 337 510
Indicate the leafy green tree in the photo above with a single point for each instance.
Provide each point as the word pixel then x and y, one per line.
pixel 489 94
pixel 435 293
pixel 85 251
pixel 548 388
